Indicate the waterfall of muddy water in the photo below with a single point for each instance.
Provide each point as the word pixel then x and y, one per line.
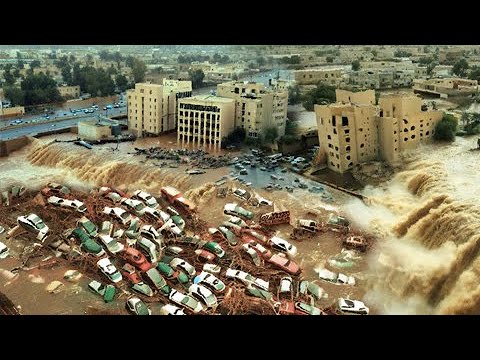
pixel 428 219
pixel 92 168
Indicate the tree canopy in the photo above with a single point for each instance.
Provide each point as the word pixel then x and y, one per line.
pixel 196 77
pixel 446 128
pixel 356 65
pixel 321 94
pixel 460 67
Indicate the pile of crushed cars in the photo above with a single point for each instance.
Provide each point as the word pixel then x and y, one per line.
pixel 157 250
pixel 174 157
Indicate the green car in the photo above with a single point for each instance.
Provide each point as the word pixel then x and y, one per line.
pixel 142 288
pixel 182 278
pixel 233 209
pixel 262 294
pixel 87 243
pixel 133 230
pixel 232 240
pixel 166 270
pixel 106 291
pixel 215 248
pixel 137 306
pixel 89 227
pixel 307 309
pixel 158 281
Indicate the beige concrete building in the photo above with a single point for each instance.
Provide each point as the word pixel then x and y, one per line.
pixel 95 130
pixel 205 120
pixel 152 108
pixel 329 76
pixel 69 92
pixel 444 88
pixel 256 107
pixel 351 131
pixel 11 111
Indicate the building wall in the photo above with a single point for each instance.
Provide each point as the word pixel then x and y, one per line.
pixel 256 107
pixel 360 97
pixel 12 111
pixel 71 92
pixel 88 130
pixel 313 76
pixel 152 108
pixel 354 133
pixel 205 120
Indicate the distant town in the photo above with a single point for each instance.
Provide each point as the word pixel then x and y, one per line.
pixel 169 178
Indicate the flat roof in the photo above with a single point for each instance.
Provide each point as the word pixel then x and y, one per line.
pixel 207 98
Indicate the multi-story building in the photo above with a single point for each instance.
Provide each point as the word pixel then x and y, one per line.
pixel 351 131
pixel 151 108
pixel 205 120
pixel 446 87
pixel 69 92
pixel 256 107
pixel 329 76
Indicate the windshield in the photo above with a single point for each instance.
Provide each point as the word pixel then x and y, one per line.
pixel 40 225
pixel 124 215
pixel 89 226
pixel 139 207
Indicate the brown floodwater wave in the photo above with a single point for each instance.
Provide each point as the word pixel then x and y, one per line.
pixel 99 169
pixel 428 260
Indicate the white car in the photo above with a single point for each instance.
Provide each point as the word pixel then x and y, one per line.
pixel 150 232
pixel 186 301
pixel 119 213
pixel 4 252
pixel 283 245
pixel 172 227
pixel 286 284
pixel 241 194
pixel 116 198
pixel 74 204
pixel 247 279
pixel 170 309
pixel 263 202
pixel 111 244
pixel 338 279
pixel 204 295
pixel 34 224
pixel 237 221
pixel 136 206
pixel 352 306
pixel 212 268
pixel 253 254
pixel 210 281
pixel 178 263
pixel 137 306
pixel 109 270
pixel 146 198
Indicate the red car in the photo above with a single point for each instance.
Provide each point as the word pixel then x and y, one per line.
pixel 205 255
pixel 288 308
pixel 249 235
pixel 175 197
pixel 261 250
pixel 129 272
pixel 136 258
pixel 285 264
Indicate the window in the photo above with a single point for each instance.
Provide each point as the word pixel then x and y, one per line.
pixel 347 131
pixel 329 137
pixel 334 131
pixel 330 146
pixel 362 145
pixel 347 139
pixel 394 132
pixel 412 128
pixel 150 94
pixel 405 121
pixel 336 148
pixel 321 121
pixel 427 133
pixel 405 130
pixel 334 123
pixel 360 129
pixel 347 148
pixel 405 139
pixel 344 121
pixel 348 157
pixel 413 136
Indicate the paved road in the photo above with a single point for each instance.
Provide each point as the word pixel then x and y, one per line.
pixel 34 129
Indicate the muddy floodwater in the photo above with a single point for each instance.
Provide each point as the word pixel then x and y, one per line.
pixel 425 218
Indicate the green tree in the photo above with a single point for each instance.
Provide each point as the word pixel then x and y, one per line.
pixel 72 59
pixel 402 53
pixel 112 70
pixel 329 59
pixel 270 134
pixel 8 76
pixel 35 64
pixel 237 136
pixel 322 94
pixel 138 70
pixel 20 64
pixel 374 53
pixel 261 61
pixel 356 65
pixel 121 82
pixel 294 96
pixel 89 59
pixel 460 67
pixel 474 74
pixel 196 77
pixel 40 89
pixel 66 71
pixel 426 60
pixel 431 67
pixel 15 95
pixel 446 128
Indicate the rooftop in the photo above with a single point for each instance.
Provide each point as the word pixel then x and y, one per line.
pixel 207 98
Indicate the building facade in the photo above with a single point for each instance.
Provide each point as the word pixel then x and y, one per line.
pixel 354 130
pixel 256 107
pixel 329 76
pixel 205 120
pixel 444 88
pixel 152 108
pixel 69 92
